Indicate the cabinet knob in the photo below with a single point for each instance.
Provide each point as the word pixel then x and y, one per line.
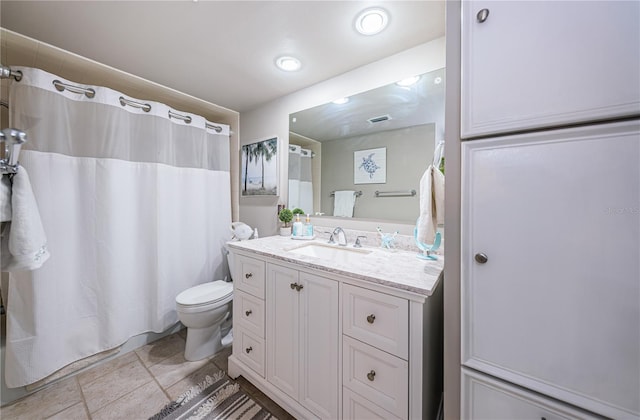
pixel 299 287
pixel 249 312
pixel 482 15
pixel 293 285
pixel 248 349
pixel 248 275
pixel 481 258
pixel 371 375
pixel 371 318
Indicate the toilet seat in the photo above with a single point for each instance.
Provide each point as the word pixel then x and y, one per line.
pixel 206 294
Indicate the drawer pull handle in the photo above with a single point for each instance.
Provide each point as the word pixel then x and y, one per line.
pixel 249 312
pixel 296 286
pixel 371 375
pixel 248 275
pixel 371 318
pixel 482 15
pixel 248 349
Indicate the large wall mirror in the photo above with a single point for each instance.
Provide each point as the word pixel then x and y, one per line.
pixel 377 145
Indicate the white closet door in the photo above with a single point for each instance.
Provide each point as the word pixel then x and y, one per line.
pixel 556 306
pixel 533 64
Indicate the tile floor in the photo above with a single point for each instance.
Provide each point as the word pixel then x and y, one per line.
pixel 135 385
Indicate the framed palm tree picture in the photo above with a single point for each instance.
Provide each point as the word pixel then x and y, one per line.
pixel 259 174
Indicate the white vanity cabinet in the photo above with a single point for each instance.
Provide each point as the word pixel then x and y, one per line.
pixel 302 338
pixel 533 64
pixel 550 271
pixel 337 345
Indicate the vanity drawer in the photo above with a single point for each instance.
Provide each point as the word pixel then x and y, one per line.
pixel 248 313
pixel 376 318
pixel 376 375
pixel 251 275
pixel 355 406
pixel 250 350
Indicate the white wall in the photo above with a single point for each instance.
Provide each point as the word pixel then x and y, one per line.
pixel 272 118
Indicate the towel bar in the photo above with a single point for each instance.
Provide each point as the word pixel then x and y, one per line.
pixel 356 193
pixel 409 193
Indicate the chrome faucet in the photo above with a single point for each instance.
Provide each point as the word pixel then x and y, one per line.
pixel 342 238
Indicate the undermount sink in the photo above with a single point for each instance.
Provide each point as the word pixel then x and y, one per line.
pixel 335 253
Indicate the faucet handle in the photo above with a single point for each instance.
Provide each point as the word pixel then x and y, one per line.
pixel 357 244
pixel 331 240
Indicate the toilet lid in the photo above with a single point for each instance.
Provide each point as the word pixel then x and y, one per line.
pixel 205 293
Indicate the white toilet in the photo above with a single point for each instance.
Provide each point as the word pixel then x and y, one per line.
pixel 206 311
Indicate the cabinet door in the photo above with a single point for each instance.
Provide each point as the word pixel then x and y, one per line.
pixel 319 345
pixel 545 63
pixel 488 399
pixel 555 307
pixel 282 329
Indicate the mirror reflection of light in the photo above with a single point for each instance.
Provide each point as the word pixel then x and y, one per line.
pixel 341 101
pixel 288 63
pixel 437 80
pixel 408 81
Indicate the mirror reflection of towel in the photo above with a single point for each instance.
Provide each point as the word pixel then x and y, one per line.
pixel 431 204
pixel 343 203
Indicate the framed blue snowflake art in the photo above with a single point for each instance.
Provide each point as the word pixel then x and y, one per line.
pixel 370 166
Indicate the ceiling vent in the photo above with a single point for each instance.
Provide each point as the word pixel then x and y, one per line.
pixel 381 118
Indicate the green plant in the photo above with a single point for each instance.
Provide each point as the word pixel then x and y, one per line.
pixel 298 210
pixel 285 216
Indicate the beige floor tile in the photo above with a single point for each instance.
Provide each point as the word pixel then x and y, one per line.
pixel 45 402
pixel 247 386
pixel 221 358
pixel 138 404
pixel 183 333
pixel 75 412
pixel 161 349
pixel 273 408
pixel 192 380
pixel 96 372
pixel 171 370
pixel 108 388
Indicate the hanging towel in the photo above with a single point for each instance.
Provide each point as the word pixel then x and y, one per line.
pixel 5 198
pixel 343 203
pixel 24 244
pixel 431 204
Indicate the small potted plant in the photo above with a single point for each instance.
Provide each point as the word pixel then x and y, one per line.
pixel 285 216
pixel 297 210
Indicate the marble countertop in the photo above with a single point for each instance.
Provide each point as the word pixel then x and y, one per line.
pixel 396 268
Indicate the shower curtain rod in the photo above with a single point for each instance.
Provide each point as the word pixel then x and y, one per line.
pixel 6 73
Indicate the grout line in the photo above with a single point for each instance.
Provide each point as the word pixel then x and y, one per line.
pixel 154 378
pixel 84 400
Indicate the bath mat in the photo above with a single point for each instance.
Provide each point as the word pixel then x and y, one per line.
pixel 217 397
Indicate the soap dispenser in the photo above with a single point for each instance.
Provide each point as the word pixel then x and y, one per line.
pixel 298 228
pixel 308 227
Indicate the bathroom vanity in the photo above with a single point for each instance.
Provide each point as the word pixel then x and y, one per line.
pixel 329 331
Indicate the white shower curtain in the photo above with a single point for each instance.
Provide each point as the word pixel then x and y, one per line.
pixel 300 179
pixel 136 208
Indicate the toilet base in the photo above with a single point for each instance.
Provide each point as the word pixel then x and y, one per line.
pixel 202 343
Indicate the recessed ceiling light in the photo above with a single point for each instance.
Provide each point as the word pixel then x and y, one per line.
pixel 341 101
pixel 408 81
pixel 372 21
pixel 287 63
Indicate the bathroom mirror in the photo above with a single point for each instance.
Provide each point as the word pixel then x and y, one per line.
pixel 391 131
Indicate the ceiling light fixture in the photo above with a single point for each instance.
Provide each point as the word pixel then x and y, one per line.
pixel 287 63
pixel 341 101
pixel 408 81
pixel 372 21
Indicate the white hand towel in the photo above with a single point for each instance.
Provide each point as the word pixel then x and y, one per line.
pixel 24 244
pixel 343 203
pixel 431 204
pixel 5 198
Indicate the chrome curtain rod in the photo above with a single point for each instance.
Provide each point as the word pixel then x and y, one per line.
pixel 6 72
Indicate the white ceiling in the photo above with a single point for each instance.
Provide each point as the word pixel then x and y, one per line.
pixel 224 51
